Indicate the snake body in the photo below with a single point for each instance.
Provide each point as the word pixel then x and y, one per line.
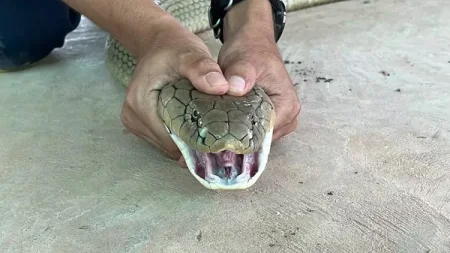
pixel 225 140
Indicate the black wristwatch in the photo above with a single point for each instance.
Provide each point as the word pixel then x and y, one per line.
pixel 218 9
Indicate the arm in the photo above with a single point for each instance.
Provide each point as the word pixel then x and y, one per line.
pixel 134 22
pixel 250 15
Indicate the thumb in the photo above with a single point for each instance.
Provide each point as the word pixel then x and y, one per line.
pixel 203 72
pixel 241 77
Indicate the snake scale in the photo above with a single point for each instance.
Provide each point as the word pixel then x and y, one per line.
pixel 224 140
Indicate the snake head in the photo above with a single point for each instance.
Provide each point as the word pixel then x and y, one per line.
pixel 225 140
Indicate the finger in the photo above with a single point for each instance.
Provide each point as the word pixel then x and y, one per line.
pixel 182 162
pixel 203 72
pixel 172 154
pixel 132 122
pixel 142 105
pixel 138 128
pixel 287 109
pixel 241 76
pixel 285 130
pixel 150 138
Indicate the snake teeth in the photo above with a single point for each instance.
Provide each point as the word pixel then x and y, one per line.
pixel 243 178
pixel 213 179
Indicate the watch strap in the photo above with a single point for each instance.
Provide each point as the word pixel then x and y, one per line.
pixel 219 8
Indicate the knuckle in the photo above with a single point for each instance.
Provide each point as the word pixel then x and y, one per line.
pixel 199 65
pixel 189 57
pixel 172 149
pixel 124 117
pixel 125 122
pixel 241 65
pixel 271 60
pixel 128 103
pixel 233 53
pixel 296 107
pixel 190 52
pixel 128 123
pixel 244 69
pixel 204 63
pixel 293 127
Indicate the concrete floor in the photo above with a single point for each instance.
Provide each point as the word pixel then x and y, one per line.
pixel 368 169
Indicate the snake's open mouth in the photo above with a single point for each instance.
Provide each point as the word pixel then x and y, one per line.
pixel 225 166
pixel 226 170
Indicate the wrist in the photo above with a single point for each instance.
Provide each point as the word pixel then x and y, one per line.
pixel 155 34
pixel 249 15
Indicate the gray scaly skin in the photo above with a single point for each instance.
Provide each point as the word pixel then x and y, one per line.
pixel 207 128
pixel 211 124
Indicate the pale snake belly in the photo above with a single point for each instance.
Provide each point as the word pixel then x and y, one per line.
pixel 225 140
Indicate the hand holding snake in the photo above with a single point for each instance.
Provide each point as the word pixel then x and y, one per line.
pixel 248 56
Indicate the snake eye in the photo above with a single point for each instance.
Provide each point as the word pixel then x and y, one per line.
pixel 195 117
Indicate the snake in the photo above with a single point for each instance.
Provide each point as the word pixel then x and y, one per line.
pixel 225 140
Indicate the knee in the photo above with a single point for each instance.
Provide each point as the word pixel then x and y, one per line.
pixel 29 34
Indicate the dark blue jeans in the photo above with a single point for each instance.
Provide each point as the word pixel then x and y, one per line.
pixel 31 29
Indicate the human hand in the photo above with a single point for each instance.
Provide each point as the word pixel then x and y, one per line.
pixel 173 54
pixel 250 56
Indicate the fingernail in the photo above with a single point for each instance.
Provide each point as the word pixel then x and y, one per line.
pixel 215 79
pixel 237 83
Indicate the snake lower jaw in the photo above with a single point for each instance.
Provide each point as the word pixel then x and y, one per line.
pixel 226 170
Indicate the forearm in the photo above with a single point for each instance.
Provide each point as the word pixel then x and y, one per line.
pixel 250 14
pixel 133 22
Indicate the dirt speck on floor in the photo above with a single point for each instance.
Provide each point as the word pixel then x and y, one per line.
pixel 326 80
pixel 384 73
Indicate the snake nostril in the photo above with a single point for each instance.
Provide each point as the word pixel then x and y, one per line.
pixel 253 119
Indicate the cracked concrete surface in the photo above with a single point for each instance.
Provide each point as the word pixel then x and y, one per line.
pixel 368 169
